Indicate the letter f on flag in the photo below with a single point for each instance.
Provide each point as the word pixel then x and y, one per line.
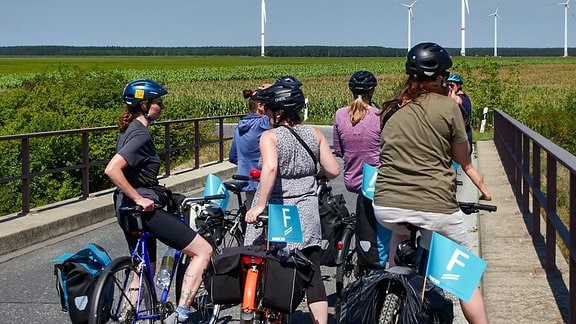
pixel 454 268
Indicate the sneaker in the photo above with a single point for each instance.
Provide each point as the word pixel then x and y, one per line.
pixel 176 318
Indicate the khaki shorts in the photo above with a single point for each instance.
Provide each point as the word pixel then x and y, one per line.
pixel 449 225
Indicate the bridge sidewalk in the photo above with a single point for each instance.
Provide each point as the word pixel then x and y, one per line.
pixel 516 288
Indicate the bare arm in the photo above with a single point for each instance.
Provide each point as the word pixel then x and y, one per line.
pixel 461 156
pixel 269 155
pixel 330 167
pixel 114 172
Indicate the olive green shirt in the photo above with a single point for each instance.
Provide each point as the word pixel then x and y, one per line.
pixel 415 156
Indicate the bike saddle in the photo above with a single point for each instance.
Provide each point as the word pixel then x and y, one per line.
pixel 405 254
pixel 235 186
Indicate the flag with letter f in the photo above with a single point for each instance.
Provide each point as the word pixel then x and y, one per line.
pixel 284 224
pixel 454 268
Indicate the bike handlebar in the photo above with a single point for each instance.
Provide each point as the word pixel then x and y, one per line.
pixel 472 207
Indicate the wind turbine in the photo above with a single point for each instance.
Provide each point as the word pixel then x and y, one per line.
pixel 496 16
pixel 410 20
pixel 465 10
pixel 566 9
pixel 262 23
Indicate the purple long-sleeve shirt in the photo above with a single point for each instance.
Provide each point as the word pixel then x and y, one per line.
pixel 356 144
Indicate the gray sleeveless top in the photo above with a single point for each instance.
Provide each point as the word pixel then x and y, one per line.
pixel 295 185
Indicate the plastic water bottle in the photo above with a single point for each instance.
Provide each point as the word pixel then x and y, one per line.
pixel 163 276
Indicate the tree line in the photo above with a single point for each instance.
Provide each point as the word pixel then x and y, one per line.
pixel 273 51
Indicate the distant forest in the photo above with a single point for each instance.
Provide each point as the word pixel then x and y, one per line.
pixel 273 51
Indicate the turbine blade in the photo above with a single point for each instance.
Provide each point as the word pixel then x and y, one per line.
pixel 466 5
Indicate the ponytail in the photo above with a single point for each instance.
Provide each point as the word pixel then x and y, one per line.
pixel 357 110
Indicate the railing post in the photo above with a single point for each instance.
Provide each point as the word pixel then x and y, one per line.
pixel 525 173
pixel 572 252
pixel 85 166
pixel 167 149
pixel 25 175
pixel 551 194
pixel 221 137
pixel 196 144
pixel 537 182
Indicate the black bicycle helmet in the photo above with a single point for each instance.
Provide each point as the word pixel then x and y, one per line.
pixel 362 82
pixel 288 80
pixel 427 60
pixel 281 96
pixel 142 89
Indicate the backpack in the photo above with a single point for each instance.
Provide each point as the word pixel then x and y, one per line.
pixel 76 275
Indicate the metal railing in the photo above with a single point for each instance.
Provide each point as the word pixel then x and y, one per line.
pixel 521 151
pixel 166 152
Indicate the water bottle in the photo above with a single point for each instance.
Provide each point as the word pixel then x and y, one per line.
pixel 163 276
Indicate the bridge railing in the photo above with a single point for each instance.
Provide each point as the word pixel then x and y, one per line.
pixel 194 144
pixel 522 152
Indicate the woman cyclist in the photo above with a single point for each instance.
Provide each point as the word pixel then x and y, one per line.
pixel 134 170
pixel 416 179
pixel 356 138
pixel 289 177
pixel 455 83
pixel 245 149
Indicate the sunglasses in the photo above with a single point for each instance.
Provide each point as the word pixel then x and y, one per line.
pixel 159 103
pixel 451 85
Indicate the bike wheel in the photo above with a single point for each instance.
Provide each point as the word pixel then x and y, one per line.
pixel 207 311
pixel 390 307
pixel 115 298
pixel 347 272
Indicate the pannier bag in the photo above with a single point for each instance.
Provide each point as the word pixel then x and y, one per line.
pixel 287 278
pixel 76 274
pixel 372 239
pixel 223 276
pixel 333 217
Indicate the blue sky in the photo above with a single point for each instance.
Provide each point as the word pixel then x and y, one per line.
pixel 172 23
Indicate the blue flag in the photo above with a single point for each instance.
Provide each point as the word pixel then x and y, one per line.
pixel 215 186
pixel 454 268
pixel 284 224
pixel 369 174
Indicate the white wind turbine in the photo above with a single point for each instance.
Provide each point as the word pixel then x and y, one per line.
pixel 566 9
pixel 465 10
pixel 496 17
pixel 262 23
pixel 410 20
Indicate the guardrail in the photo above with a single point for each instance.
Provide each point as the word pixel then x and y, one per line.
pixel 521 151
pixel 84 167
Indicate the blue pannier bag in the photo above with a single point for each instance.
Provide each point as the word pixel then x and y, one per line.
pixel 76 275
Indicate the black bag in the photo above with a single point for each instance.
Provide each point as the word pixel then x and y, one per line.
pixel 223 276
pixel 372 239
pixel 287 278
pixel 361 301
pixel 333 217
pixel 76 275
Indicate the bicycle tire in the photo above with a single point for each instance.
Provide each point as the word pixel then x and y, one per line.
pixel 208 312
pixel 347 271
pixel 390 306
pixel 111 302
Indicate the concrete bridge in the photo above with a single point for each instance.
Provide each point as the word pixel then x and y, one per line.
pixel 519 285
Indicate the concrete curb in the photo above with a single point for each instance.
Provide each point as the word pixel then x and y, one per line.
pixel 46 222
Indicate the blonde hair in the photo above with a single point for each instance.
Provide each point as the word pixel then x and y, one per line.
pixel 358 109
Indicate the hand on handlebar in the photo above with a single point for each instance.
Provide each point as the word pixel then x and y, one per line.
pixel 253 213
pixel 146 204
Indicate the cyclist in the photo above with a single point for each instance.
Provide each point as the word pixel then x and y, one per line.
pixel 356 138
pixel 245 150
pixel 134 170
pixel 416 179
pixel 455 83
pixel 288 177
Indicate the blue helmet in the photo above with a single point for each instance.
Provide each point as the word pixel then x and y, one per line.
pixel 139 90
pixel 456 78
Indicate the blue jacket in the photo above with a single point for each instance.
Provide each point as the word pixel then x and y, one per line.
pixel 245 149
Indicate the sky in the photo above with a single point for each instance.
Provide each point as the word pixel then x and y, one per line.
pixel 196 23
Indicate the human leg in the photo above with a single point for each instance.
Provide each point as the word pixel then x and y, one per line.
pixel 200 252
pixel 475 310
pixel 316 293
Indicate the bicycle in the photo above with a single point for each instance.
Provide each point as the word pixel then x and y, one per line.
pixel 125 291
pixel 408 275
